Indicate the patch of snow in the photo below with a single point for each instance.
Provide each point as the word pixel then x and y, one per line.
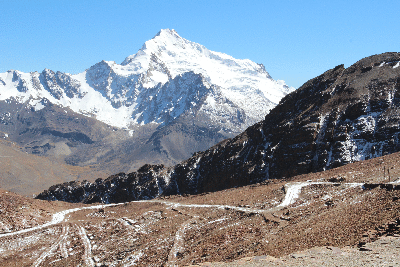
pixel 218 220
pixel 326 197
pixel 292 193
pixel 133 260
pixel 293 190
pixel 397 181
pixel 37 104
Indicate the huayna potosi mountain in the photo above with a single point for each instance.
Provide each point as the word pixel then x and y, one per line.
pixel 153 86
pixel 344 115
pixel 172 98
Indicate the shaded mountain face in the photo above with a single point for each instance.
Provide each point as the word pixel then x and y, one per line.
pixel 170 99
pixel 339 117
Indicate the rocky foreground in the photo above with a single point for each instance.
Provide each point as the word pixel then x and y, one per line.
pixel 349 213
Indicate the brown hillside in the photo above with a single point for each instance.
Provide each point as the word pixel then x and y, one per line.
pixel 28 174
pixel 242 226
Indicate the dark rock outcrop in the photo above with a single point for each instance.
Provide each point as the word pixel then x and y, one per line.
pixel 339 117
pixel 143 184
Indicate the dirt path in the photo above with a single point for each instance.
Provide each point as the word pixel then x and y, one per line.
pixel 57 218
pixel 65 232
pixel 87 254
pixel 292 193
pixel 75 246
pixel 179 243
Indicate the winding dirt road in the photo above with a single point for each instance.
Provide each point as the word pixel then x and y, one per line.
pixel 102 234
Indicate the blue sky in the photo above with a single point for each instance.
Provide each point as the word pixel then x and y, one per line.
pixel 295 40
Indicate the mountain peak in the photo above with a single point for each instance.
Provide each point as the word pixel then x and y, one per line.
pixel 166 39
pixel 241 82
pixel 167 42
pixel 167 32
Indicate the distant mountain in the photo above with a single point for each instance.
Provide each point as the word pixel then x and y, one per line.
pixel 166 78
pixel 342 116
pixel 171 99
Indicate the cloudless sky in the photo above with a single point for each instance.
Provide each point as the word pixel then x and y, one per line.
pixel 295 40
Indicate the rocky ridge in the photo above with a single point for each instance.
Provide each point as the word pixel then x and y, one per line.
pixel 342 116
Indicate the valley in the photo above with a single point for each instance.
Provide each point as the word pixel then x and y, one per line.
pixel 28 174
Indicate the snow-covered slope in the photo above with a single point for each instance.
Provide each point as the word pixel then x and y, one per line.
pixel 167 77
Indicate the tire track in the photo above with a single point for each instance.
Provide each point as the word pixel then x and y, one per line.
pixel 63 245
pixel 179 242
pixel 87 254
pixel 45 254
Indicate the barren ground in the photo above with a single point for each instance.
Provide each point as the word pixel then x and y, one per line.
pixel 305 221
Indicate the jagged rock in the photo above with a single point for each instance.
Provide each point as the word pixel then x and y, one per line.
pixel 336 179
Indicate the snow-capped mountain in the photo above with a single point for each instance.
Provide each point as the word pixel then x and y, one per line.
pixel 168 76
pixel 159 106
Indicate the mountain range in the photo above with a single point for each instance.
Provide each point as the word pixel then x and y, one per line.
pixel 315 182
pixel 342 116
pixel 172 98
